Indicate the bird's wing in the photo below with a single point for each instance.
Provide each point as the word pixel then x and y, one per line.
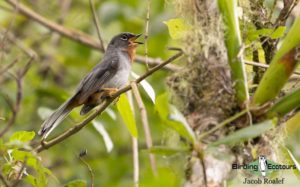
pixel 96 78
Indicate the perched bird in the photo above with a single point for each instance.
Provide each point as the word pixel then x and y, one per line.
pixel 102 82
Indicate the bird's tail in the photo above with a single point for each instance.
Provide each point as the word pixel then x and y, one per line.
pixel 55 119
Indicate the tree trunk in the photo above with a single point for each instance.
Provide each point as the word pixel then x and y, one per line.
pixel 207 96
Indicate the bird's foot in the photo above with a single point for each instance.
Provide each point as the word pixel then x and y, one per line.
pixel 108 92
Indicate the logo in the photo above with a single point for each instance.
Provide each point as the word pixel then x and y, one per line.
pixel 264 170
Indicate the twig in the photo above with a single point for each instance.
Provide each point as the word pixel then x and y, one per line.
pixel 97 25
pixel 145 123
pixel 135 152
pixel 76 35
pixel 288 6
pixel 45 145
pixel 6 68
pixel 16 107
pixel 28 51
pixel 147 32
pixel 225 122
pixel 81 155
pixel 296 74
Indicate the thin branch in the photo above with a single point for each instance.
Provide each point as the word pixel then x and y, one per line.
pixel 296 74
pixel 45 145
pixel 28 51
pixel 145 123
pixel 76 35
pixel 135 153
pixel 10 65
pixel 147 32
pixel 222 124
pixel 288 6
pixel 81 155
pixel 97 25
pixel 16 107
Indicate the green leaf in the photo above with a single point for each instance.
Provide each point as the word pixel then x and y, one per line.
pixel 281 68
pixel 167 151
pixel 23 136
pixel 31 180
pixel 76 183
pixel 21 155
pixel 246 133
pixel 177 28
pixel 273 34
pixel 278 33
pixel 173 118
pixel 286 104
pixel 127 115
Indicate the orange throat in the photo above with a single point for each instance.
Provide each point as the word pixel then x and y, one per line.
pixel 131 51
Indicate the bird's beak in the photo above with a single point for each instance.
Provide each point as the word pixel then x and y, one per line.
pixel 132 39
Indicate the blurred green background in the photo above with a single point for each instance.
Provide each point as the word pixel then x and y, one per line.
pixel 60 66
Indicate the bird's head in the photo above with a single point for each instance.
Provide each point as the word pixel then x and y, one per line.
pixel 125 40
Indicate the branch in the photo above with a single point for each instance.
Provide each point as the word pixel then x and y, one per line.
pixel 135 153
pixel 144 118
pixel 288 6
pixel 147 32
pixel 296 74
pixel 76 35
pixel 6 68
pixel 45 145
pixel 16 107
pixel 96 24
pixel 81 155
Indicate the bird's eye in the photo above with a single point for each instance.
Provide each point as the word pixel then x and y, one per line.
pixel 124 37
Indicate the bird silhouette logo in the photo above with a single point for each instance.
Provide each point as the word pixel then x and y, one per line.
pixel 262 165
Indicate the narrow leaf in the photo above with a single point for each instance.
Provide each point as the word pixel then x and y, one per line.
pixel 286 104
pixel 111 114
pixel 106 138
pixel 246 133
pixel 294 159
pixel 167 151
pixel 281 68
pixel 127 115
pixel 173 118
pixel 147 87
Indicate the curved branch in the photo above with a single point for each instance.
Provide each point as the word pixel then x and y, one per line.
pixel 76 35
pixel 45 145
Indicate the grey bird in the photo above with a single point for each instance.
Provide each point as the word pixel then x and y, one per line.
pixel 102 82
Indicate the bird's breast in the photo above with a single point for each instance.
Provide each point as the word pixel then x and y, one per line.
pixel 121 76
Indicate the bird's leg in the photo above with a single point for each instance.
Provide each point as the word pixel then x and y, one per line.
pixel 108 92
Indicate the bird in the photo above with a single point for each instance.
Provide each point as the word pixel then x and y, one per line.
pixel 102 82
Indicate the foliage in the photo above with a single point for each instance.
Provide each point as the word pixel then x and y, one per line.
pixel 61 63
